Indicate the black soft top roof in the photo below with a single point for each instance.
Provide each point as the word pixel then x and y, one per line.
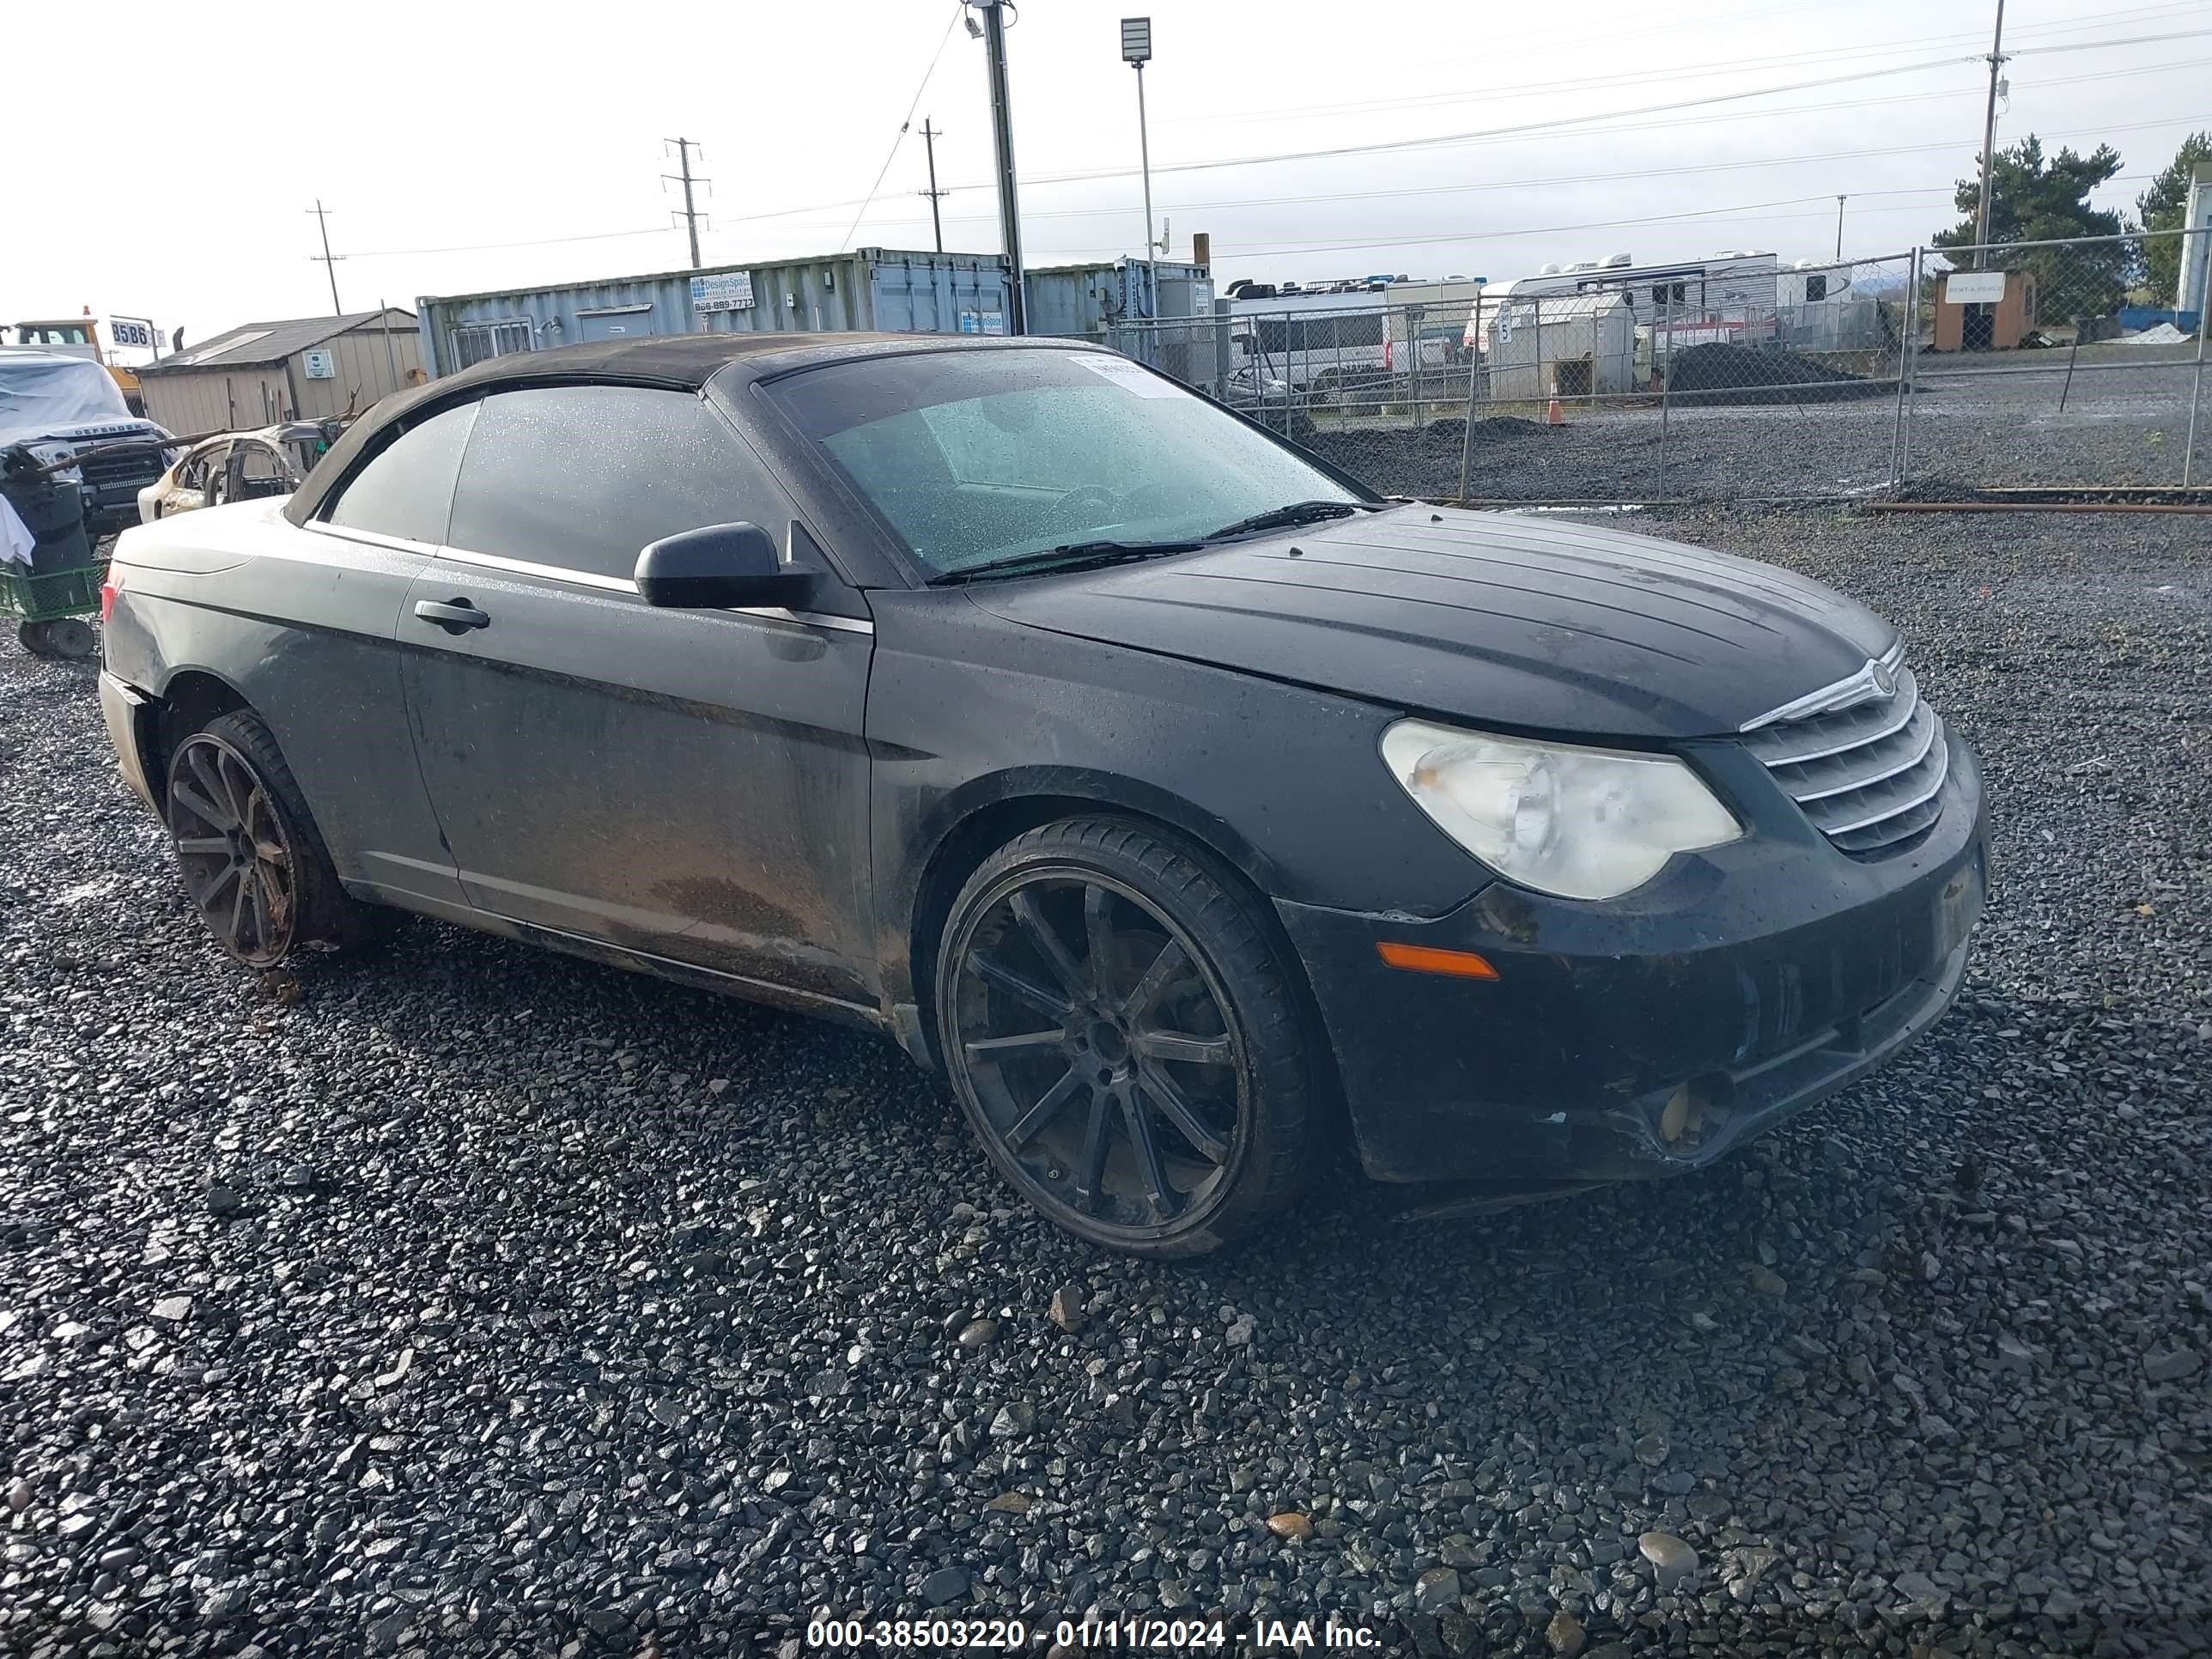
pixel 679 361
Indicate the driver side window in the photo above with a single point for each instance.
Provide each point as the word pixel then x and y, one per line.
pixel 406 488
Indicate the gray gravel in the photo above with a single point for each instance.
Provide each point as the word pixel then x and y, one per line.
pixel 471 1299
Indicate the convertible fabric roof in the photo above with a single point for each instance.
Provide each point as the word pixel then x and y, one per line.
pixel 680 361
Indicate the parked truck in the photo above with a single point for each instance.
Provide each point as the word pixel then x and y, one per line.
pixel 65 404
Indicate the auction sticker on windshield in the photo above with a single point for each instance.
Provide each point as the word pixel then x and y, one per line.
pixel 1126 375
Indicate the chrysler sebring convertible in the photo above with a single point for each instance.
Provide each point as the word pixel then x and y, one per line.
pixel 1187 805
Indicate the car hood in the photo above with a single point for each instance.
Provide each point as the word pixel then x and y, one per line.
pixel 1513 622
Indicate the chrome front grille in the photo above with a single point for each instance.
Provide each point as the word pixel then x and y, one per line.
pixel 1870 775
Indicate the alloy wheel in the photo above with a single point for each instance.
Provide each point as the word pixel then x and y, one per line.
pixel 1100 1051
pixel 233 847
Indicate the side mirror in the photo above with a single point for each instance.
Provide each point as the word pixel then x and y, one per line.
pixel 718 566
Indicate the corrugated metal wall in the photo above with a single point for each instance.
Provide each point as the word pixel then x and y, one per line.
pixel 364 371
pixel 1084 301
pixel 215 399
pixel 872 289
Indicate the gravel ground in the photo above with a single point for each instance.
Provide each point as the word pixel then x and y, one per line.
pixel 1974 424
pixel 470 1300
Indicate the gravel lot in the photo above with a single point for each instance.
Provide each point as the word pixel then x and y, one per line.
pixel 1975 424
pixel 471 1299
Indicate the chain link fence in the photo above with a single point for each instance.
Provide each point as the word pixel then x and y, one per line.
pixel 2031 370
pixel 1927 372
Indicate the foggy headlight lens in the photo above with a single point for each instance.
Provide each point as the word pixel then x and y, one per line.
pixel 1588 824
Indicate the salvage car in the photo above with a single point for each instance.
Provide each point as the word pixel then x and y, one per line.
pixel 233 466
pixel 1186 804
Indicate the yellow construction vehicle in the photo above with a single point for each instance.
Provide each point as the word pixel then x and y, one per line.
pixel 79 336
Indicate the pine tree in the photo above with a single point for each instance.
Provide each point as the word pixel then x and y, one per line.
pixel 2035 198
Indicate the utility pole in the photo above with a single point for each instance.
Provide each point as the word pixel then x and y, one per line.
pixel 1839 229
pixel 328 259
pixel 1988 144
pixel 929 137
pixel 1002 134
pixel 1136 51
pixel 691 215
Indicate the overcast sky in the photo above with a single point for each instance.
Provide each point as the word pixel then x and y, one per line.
pixel 181 176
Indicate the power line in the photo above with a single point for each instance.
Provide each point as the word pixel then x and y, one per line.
pixel 1629 77
pixel 958 10
pixel 1304 199
pixel 1620 118
pixel 492 247
pixel 1301 198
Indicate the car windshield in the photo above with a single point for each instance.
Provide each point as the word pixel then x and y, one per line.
pixel 972 458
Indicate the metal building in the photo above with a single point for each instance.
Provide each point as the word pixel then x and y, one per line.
pixel 308 369
pixel 871 289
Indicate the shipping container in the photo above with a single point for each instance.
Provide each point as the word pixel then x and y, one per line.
pixel 872 289
pixel 1087 302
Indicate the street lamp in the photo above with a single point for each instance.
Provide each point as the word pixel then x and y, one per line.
pixel 1136 51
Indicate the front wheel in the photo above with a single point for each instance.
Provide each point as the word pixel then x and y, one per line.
pixel 1126 1040
pixel 254 863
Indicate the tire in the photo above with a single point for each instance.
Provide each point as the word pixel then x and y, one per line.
pixel 69 637
pixel 32 636
pixel 231 794
pixel 1125 1040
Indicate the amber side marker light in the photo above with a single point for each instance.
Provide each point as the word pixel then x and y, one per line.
pixel 1428 959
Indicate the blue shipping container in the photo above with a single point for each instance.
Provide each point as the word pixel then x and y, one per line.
pixel 874 288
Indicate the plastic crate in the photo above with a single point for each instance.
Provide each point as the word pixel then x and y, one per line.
pixel 48 598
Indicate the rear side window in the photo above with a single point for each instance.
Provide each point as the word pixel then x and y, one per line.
pixel 406 488
pixel 582 476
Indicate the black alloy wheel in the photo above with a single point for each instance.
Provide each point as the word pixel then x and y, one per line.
pixel 233 849
pixel 254 867
pixel 1098 995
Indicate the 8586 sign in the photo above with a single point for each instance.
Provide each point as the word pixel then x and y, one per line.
pixel 130 332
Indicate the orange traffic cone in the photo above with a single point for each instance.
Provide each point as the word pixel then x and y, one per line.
pixel 1551 415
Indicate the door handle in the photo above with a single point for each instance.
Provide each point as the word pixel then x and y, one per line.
pixel 455 616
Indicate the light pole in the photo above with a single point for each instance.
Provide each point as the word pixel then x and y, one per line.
pixel 994 31
pixel 1840 229
pixel 1136 51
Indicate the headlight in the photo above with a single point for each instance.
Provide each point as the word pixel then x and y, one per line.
pixel 1588 824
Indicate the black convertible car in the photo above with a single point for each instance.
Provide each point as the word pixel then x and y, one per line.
pixel 1181 801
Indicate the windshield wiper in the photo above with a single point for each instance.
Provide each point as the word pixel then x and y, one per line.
pixel 1071 555
pixel 1282 518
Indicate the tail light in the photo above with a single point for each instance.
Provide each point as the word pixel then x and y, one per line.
pixel 109 587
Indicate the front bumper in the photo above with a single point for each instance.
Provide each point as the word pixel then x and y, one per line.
pixel 1646 1036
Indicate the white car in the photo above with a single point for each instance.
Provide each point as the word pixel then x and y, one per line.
pixel 234 467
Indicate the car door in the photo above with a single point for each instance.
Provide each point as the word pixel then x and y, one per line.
pixel 256 471
pixel 330 682
pixel 187 488
pixel 686 785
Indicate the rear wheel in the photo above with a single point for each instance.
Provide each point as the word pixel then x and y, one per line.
pixel 1125 1040
pixel 254 864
